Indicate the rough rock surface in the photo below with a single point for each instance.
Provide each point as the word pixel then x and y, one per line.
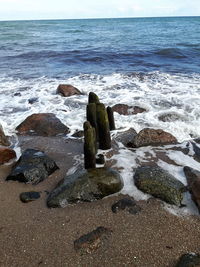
pixel 123 109
pixel 33 167
pixel 193 179
pixel 126 204
pixel 67 90
pixel 189 260
pixel 90 242
pixel 6 154
pixel 159 183
pixel 168 117
pixel 153 137
pixel 42 124
pixel 85 185
pixel 29 196
pixel 3 139
pixel 126 137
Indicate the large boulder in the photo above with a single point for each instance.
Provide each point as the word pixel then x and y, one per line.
pixel 33 167
pixel 159 183
pixel 3 139
pixel 85 185
pixel 67 90
pixel 124 109
pixel 126 137
pixel 153 137
pixel 42 124
pixel 193 179
pixel 6 154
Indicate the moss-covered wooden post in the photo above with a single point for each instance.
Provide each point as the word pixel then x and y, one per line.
pixel 89 146
pixel 103 127
pixel 111 118
pixel 92 116
pixel 93 98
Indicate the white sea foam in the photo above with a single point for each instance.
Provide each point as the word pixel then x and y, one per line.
pixel 158 93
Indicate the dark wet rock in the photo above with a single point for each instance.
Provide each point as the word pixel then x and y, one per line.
pixel 123 109
pixel 196 151
pixel 85 185
pixel 189 260
pixel 17 94
pixel 135 210
pixel 126 204
pixel 6 154
pixel 32 100
pixel 90 242
pixel 126 137
pixel 78 134
pixel 67 90
pixel 3 139
pixel 42 124
pixel 29 196
pixel 193 179
pixel 33 167
pixel 159 183
pixel 171 117
pixel 153 137
pixel 100 159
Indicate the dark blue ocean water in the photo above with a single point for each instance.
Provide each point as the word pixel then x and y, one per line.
pixel 60 48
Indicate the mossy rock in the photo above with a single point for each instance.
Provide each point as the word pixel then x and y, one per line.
pixel 159 183
pixel 85 185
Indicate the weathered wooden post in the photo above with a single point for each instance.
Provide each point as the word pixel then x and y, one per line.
pixel 103 127
pixel 92 116
pixel 111 118
pixel 89 146
pixel 93 98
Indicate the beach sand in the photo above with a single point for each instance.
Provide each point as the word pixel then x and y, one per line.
pixel 33 235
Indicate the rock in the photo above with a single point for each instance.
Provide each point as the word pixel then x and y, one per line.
pixel 90 242
pixel 67 90
pixel 126 137
pixel 3 139
pixel 189 260
pixel 196 150
pixel 17 94
pixel 33 167
pixel 126 204
pixel 193 179
pixel 159 183
pixel 78 134
pixel 32 100
pixel 29 196
pixel 153 137
pixel 42 124
pixel 123 109
pixel 100 159
pixel 6 154
pixel 85 185
pixel 171 117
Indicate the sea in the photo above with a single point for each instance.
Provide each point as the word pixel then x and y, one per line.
pixel 153 63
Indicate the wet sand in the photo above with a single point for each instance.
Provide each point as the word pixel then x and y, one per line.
pixel 33 235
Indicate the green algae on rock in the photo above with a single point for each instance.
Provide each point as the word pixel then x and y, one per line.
pixel 159 183
pixel 85 185
pixel 89 146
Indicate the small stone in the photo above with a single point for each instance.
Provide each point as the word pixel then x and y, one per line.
pixel 29 196
pixel 123 109
pixel 123 204
pixel 6 154
pixel 33 100
pixel 189 260
pixel 78 134
pixel 90 242
pixel 100 159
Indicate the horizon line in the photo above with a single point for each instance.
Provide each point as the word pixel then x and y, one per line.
pixel 93 18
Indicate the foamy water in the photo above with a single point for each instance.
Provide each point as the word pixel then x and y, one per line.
pixel 159 93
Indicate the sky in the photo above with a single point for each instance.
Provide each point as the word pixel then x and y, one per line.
pixel 74 9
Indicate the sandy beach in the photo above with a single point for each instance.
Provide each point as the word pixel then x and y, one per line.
pixel 34 235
